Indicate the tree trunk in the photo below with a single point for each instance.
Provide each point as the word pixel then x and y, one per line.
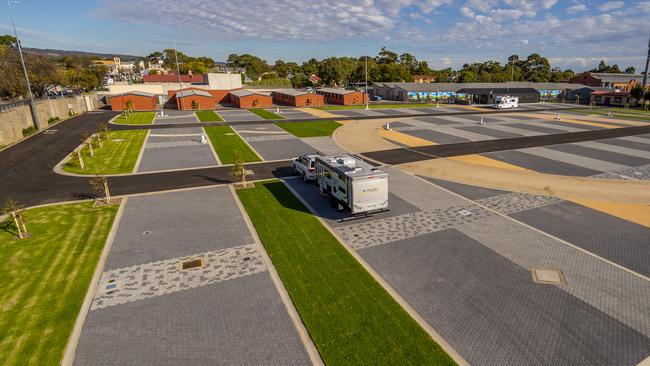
pixel 243 176
pixel 20 231
pixel 99 140
pixel 107 194
pixel 81 160
pixel 90 147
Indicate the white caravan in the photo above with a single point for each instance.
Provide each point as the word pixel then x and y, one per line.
pixel 505 102
pixel 353 184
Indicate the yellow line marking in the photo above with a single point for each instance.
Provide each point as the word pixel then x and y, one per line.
pixel 404 139
pixel 634 212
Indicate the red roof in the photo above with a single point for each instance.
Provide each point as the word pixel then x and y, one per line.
pixel 171 78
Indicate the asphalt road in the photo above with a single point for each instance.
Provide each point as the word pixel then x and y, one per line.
pixel 26 169
pixel 408 155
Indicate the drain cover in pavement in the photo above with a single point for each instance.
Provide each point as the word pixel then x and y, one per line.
pixel 465 212
pixel 548 276
pixel 192 264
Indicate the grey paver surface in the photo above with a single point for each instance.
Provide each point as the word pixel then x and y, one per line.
pixel 642 146
pixel 620 241
pixel 238 115
pixel 487 131
pixel 536 128
pixel 576 160
pixel 323 144
pixel 180 223
pixel 436 136
pixel 236 322
pixel 541 164
pixel 149 311
pixel 612 157
pixel 490 310
pixel 172 148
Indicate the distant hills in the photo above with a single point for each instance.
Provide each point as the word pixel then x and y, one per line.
pixel 62 53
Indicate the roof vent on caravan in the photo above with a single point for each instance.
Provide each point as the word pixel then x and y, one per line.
pixel 346 160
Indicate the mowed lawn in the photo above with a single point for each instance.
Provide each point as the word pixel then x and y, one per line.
pixel 349 316
pixel 227 144
pixel 310 129
pixel 136 118
pixel 208 116
pixel 44 278
pixel 631 114
pixel 118 154
pixel 264 113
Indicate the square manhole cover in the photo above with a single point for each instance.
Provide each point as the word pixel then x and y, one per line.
pixel 194 263
pixel 549 276
pixel 465 212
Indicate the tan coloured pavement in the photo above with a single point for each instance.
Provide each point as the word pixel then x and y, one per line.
pixel 364 136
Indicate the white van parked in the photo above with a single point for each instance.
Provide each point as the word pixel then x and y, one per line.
pixel 503 102
pixel 353 184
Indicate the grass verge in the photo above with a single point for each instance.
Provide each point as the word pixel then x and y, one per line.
pixel 136 118
pixel 310 129
pixel 227 144
pixel 350 317
pixel 377 106
pixel 208 116
pixel 117 156
pixel 264 113
pixel 44 279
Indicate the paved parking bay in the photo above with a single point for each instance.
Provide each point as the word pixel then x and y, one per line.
pixel 230 115
pixel 273 143
pixel 227 312
pixel 291 113
pixel 464 266
pixel 173 117
pixel 176 148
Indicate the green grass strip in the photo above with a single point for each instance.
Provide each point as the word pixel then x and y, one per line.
pixel 351 319
pixel 44 279
pixel 631 114
pixel 310 129
pixel 377 106
pixel 264 113
pixel 227 144
pixel 118 154
pixel 208 116
pixel 136 118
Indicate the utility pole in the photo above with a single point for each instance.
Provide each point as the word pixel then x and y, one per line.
pixel 647 63
pixel 32 107
pixel 179 101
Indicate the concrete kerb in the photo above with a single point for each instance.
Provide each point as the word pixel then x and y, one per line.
pixel 314 356
pixel 394 294
pixel 73 340
pixel 528 226
pixel 249 145
pixel 214 152
pixel 144 145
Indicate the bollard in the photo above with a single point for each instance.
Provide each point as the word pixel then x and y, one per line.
pixel 481 122
pixel 203 139
pixel 387 126
pixel 557 117
pixel 609 113
pixel 277 110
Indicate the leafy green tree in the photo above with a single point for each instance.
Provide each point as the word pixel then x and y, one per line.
pixel 8 41
pixel 630 70
pixel 387 57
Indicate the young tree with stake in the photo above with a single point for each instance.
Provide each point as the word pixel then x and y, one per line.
pixel 16 211
pixel 238 169
pixel 87 141
pixel 99 185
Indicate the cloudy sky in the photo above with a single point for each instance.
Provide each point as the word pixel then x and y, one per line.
pixel 573 33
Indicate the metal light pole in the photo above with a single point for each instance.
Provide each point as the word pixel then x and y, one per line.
pixel 32 107
pixel 367 98
pixel 179 101
pixel 645 73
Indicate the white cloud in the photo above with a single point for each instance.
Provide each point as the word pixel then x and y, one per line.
pixel 611 5
pixel 280 19
pixel 576 8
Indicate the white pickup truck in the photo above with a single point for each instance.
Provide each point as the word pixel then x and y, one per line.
pixel 305 166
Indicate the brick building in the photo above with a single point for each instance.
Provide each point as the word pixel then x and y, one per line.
pixel 618 98
pixel 194 99
pixel 243 98
pixel 141 101
pixel 342 96
pixel 297 98
pixel 620 81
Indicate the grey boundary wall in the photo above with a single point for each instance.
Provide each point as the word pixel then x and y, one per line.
pixel 14 120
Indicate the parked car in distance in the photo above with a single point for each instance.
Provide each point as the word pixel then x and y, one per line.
pixel 305 166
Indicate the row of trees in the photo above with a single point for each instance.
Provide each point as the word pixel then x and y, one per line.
pixel 197 65
pixel 73 71
pixel 390 66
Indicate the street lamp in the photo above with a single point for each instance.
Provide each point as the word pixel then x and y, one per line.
pixel 179 101
pixel 367 98
pixel 32 107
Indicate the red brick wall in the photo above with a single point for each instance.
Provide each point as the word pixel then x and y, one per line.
pixel 353 98
pixel 140 103
pixel 204 102
pixel 252 101
pixel 310 100
pixel 585 79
